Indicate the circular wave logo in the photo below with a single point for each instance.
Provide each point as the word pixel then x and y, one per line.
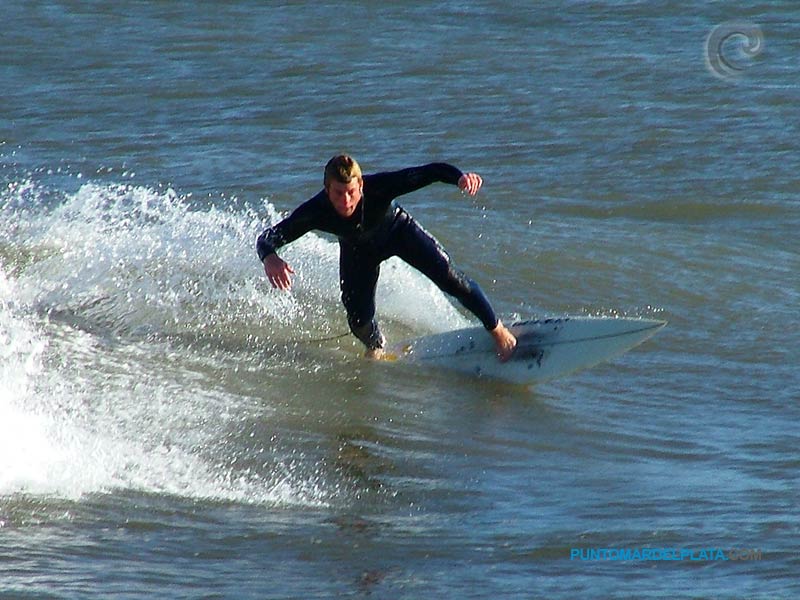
pixel 731 48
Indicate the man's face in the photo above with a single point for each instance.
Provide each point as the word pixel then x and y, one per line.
pixel 345 196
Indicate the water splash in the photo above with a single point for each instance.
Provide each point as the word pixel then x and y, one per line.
pixel 100 289
pixel 76 419
pixel 137 261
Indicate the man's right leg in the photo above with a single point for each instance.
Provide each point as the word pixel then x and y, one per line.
pixel 358 278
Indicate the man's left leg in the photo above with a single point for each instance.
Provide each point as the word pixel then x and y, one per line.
pixel 423 252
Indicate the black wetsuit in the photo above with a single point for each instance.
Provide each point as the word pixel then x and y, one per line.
pixel 377 230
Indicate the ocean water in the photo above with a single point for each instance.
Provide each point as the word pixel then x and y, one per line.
pixel 172 427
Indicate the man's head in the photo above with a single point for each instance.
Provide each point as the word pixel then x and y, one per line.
pixel 344 184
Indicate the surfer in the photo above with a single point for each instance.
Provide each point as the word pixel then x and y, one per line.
pixel 371 227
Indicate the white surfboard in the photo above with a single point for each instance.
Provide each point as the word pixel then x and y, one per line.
pixel 546 348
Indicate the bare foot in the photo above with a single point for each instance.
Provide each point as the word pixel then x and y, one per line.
pixel 374 353
pixel 504 340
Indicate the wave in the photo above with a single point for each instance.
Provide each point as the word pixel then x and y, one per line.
pixel 77 419
pixel 139 261
pixel 104 294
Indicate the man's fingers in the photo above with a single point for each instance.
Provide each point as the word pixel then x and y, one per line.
pixel 281 281
pixel 471 183
pixel 476 183
pixel 278 273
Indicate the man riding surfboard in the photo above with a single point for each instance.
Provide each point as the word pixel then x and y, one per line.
pixel 371 227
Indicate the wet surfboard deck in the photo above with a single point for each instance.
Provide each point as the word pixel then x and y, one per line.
pixel 546 348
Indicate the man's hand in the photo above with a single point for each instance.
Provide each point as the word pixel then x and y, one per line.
pixel 278 272
pixel 470 183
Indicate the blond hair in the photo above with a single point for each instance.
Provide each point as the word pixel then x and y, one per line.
pixel 342 168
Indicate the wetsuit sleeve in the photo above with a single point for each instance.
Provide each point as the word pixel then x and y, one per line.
pixel 300 222
pixel 405 181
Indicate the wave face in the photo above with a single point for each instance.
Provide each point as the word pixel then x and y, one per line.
pixel 122 304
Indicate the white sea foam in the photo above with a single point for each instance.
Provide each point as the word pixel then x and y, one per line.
pixel 94 398
pixel 76 420
pixel 140 260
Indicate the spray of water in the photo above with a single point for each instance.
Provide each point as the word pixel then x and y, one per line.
pixel 106 293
